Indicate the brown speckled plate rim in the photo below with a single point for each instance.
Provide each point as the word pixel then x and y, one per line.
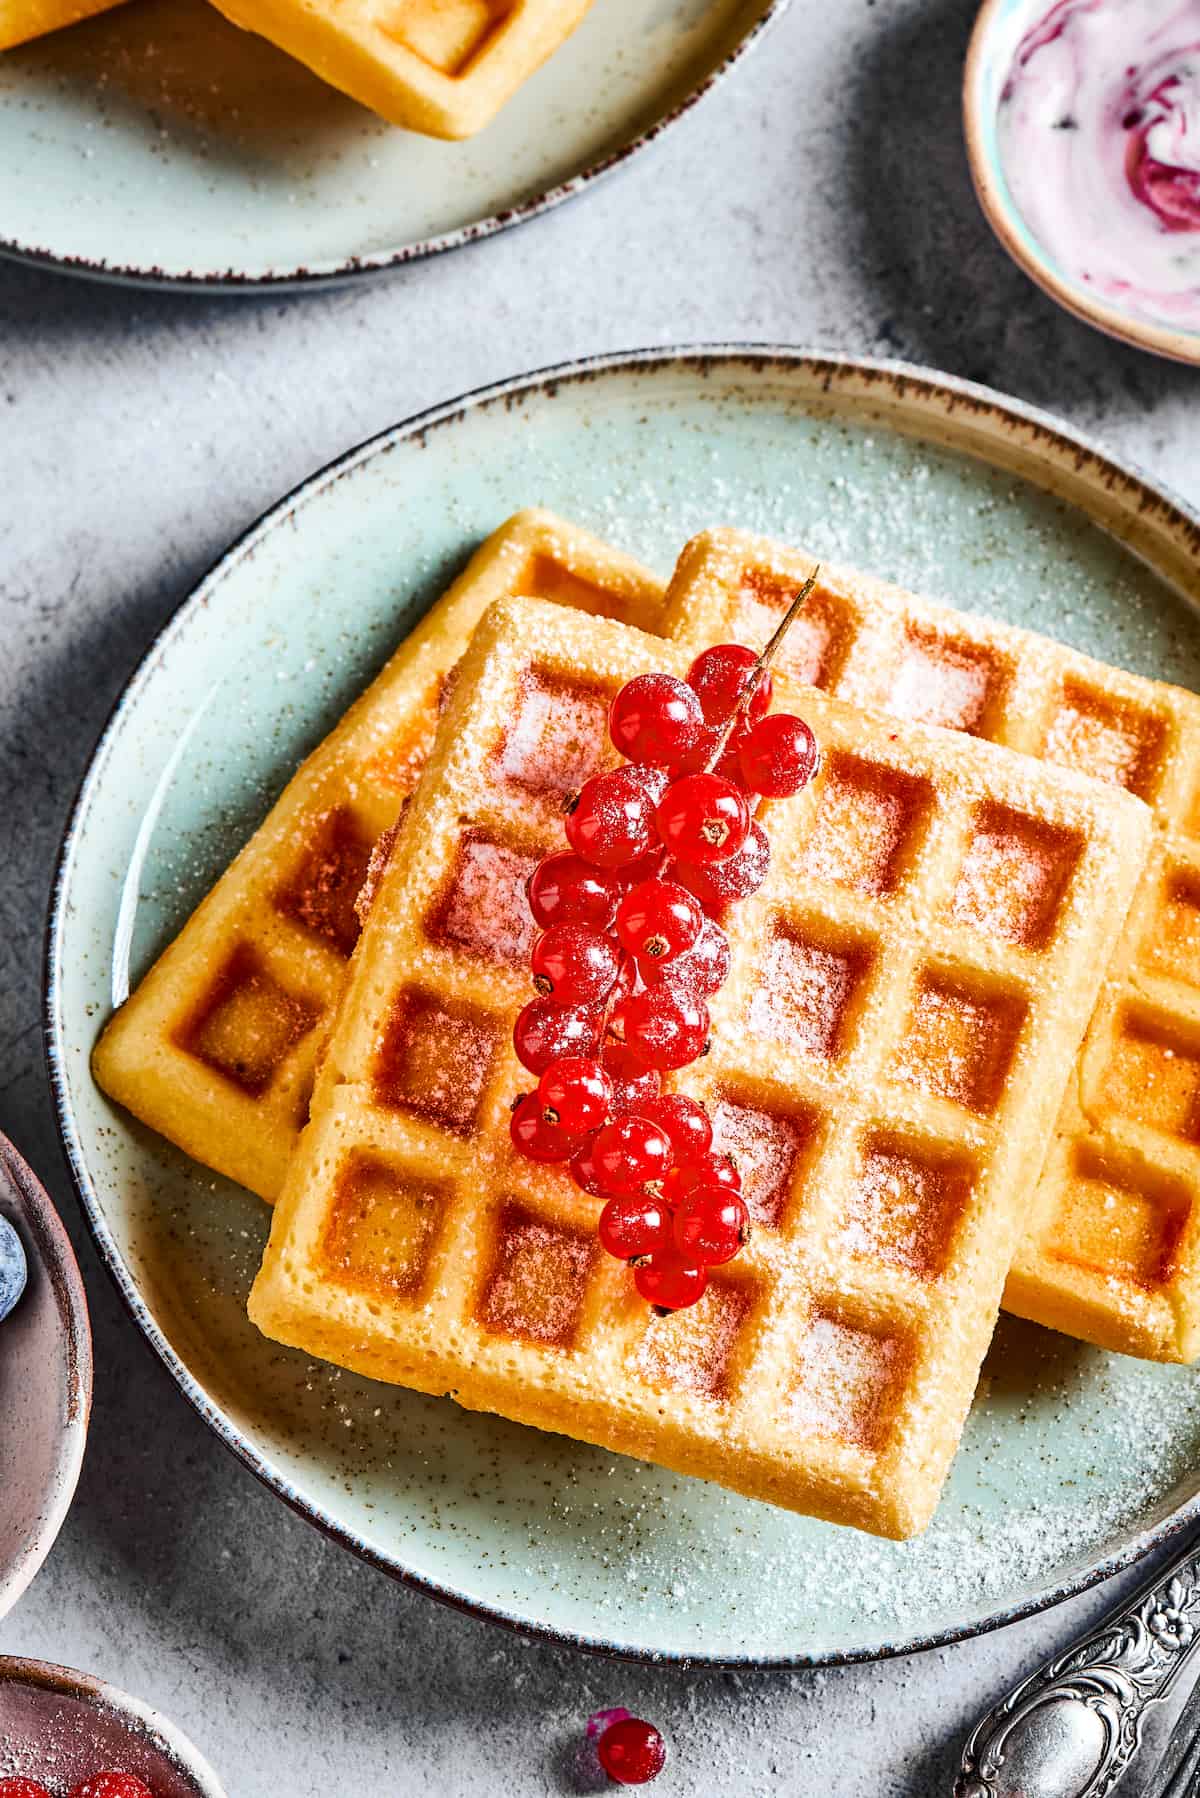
pixel 998 209
pixel 1060 449
pixel 139 1718
pixel 304 280
pixel 55 1256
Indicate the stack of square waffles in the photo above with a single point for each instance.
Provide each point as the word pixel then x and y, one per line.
pixel 957 1057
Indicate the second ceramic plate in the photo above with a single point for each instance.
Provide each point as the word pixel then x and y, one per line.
pixel 1073 1460
pixel 160 144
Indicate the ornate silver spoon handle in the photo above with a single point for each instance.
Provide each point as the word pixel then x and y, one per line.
pixel 1072 1728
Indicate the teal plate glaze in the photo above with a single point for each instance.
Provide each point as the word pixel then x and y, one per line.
pixel 1074 1461
pixel 159 144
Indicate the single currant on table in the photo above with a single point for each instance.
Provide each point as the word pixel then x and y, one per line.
pixel 631 949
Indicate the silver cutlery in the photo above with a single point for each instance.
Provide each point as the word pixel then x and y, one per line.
pixel 1073 1728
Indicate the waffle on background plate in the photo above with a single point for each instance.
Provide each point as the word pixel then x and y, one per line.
pixel 444 67
pixel 23 20
pixel 216 1048
pixel 909 1047
pixel 1113 1251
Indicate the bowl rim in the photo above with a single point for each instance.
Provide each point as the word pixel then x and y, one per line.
pixel 958 397
pixel 351 268
pixel 998 209
pixel 89 1688
pixel 51 1246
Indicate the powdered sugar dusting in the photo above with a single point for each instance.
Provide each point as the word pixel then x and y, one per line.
pixel 765 1146
pixel 485 909
pixel 803 994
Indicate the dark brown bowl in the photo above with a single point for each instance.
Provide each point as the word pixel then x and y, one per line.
pixel 60 1727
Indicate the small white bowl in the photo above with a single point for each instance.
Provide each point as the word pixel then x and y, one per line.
pixel 45 1382
pixel 999 29
pixel 59 1727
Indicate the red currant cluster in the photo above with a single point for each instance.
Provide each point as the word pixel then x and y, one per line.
pixel 628 959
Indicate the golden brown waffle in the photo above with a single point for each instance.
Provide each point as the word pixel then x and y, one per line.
pixel 23 20
pixel 216 1047
pixel 444 67
pixel 1113 1251
pixel 887 1064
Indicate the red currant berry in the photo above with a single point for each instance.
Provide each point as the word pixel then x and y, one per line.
pixel 632 1752
pixel 634 1225
pixel 703 818
pixel 22 1788
pixel 669 1282
pixel 633 1082
pixel 724 883
pixel 584 1171
pixel 564 889
pixel 576 1094
pixel 536 1138
pixel 658 920
pixel 711 1224
pixel 545 1031
pixel 720 677
pixel 611 821
pixel 655 718
pixel 685 1122
pixel 629 1154
pixel 779 756
pixel 111 1785
pixel 704 968
pixel 651 780
pixel 662 1027
pixel 573 965
pixel 708 1169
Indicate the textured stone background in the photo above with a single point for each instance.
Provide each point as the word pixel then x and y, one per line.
pixel 820 197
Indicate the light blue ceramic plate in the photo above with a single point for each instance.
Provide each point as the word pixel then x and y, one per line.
pixel 1074 1461
pixel 159 144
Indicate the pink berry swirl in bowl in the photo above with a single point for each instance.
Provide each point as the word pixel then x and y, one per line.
pixel 1099 140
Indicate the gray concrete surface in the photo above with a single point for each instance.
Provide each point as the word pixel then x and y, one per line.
pixel 821 198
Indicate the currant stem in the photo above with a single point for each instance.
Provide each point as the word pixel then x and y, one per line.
pixel 765 658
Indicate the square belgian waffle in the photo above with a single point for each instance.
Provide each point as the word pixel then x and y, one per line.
pixel 216 1047
pixel 887 1064
pixel 445 67
pixel 1112 1253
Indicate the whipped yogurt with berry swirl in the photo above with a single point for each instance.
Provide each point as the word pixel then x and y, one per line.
pixel 1099 132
